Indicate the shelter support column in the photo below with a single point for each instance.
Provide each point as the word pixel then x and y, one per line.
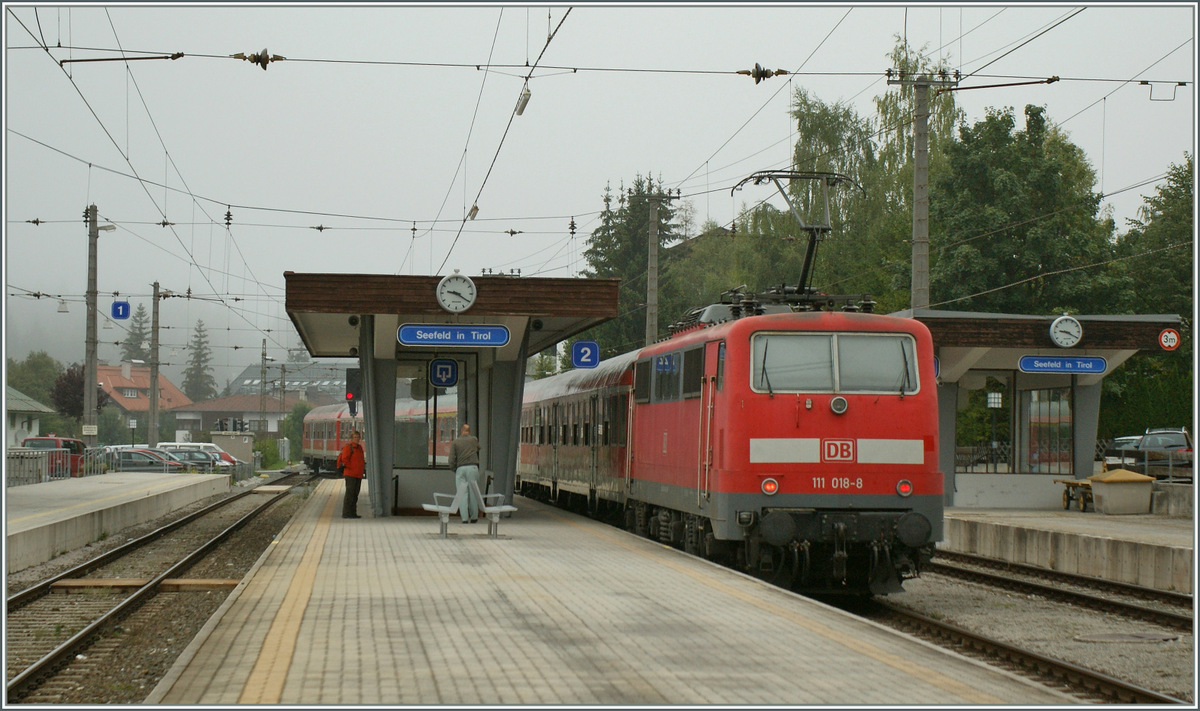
pixel 947 436
pixel 507 390
pixel 1085 406
pixel 379 418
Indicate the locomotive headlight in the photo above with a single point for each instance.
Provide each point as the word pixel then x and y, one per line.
pixel 838 405
pixel 770 487
pixel 904 487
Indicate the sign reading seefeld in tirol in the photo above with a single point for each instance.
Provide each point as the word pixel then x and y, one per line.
pixel 1062 364
pixel 415 334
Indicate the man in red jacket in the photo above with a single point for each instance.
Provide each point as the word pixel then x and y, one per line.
pixel 352 462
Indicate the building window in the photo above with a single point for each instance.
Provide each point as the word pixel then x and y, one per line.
pixel 129 392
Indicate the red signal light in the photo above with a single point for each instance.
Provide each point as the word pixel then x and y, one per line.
pixel 904 487
pixel 770 486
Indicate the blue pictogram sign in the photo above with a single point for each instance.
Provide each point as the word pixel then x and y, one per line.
pixel 443 372
pixel 415 334
pixel 1062 364
pixel 120 310
pixel 585 354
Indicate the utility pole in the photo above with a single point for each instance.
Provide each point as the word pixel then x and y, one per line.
pixel 262 390
pixel 920 233
pixel 90 364
pixel 152 425
pixel 652 267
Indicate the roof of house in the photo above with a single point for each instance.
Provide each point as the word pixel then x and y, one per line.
pixel 113 381
pixel 242 403
pixel 17 401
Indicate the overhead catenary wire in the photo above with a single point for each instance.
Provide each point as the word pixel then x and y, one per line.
pixel 511 116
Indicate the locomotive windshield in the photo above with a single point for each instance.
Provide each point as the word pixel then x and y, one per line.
pixel 843 362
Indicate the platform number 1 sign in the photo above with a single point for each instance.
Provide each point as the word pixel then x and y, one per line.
pixel 1169 339
pixel 585 354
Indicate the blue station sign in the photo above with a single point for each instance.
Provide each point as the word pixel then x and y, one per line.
pixel 585 354
pixel 443 372
pixel 441 334
pixel 1062 364
pixel 120 310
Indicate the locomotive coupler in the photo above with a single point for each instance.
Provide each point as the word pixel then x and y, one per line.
pixel 839 551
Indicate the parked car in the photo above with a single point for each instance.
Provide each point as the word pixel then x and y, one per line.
pixel 197 459
pixel 143 460
pixel 205 446
pixel 64 463
pixel 1163 447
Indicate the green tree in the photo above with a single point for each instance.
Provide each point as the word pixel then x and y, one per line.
pixel 618 248
pixel 868 250
pixel 112 426
pixel 134 347
pixel 1157 263
pixel 293 428
pixel 1156 254
pixel 543 365
pixel 1013 220
pixel 35 375
pixel 198 381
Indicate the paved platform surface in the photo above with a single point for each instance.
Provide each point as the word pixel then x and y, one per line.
pixel 43 520
pixel 558 610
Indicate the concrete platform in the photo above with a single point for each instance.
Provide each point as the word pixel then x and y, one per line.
pixel 44 520
pixel 558 610
pixel 1143 549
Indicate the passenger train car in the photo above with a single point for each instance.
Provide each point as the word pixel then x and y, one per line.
pixel 327 429
pixel 801 446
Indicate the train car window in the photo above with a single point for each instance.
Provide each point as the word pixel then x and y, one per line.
pixel 565 439
pixel 667 377
pixel 876 363
pixel 693 372
pixel 720 365
pixel 790 362
pixel 641 381
pixel 620 412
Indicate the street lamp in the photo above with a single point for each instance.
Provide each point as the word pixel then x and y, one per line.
pixel 995 401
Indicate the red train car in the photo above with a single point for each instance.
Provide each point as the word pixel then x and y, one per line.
pixel 797 445
pixel 327 429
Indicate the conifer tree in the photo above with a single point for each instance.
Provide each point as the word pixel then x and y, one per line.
pixel 134 347
pixel 198 381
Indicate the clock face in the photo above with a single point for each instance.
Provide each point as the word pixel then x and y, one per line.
pixel 456 293
pixel 1065 331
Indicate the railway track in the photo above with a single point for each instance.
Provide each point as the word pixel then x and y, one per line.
pixel 1104 595
pixel 54 637
pixel 1086 683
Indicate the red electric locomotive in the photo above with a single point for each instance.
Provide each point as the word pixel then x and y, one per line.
pixel 794 443
pixel 801 446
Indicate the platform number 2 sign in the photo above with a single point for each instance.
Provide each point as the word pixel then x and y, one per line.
pixel 585 354
pixel 1169 339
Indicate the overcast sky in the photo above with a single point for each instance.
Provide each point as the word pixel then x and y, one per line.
pixel 385 116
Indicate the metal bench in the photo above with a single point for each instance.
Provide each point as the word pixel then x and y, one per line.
pixel 444 510
pixel 493 510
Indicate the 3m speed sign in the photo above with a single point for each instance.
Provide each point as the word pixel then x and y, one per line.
pixel 1168 339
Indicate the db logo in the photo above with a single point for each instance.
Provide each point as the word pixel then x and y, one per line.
pixel 837 450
